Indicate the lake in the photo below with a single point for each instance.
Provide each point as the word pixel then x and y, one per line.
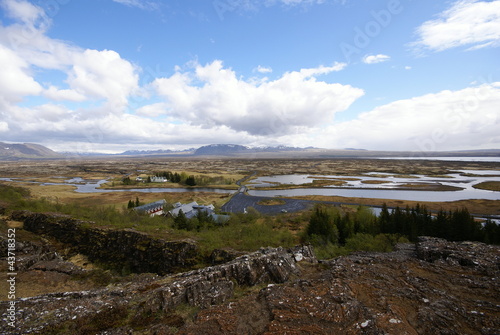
pixel 356 186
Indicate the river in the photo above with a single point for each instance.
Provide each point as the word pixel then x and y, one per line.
pixel 355 186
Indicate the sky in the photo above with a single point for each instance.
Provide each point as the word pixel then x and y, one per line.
pixel 115 75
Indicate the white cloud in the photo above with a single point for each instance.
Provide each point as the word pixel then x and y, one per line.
pixel 91 74
pixel 374 59
pixel 263 69
pixel 153 110
pixel 212 96
pixel 53 93
pixel 25 11
pixel 4 127
pixel 16 80
pixel 448 120
pixel 101 81
pixel 103 75
pixel 467 23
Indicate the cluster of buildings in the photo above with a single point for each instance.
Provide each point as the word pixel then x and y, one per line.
pixel 190 210
pixel 153 179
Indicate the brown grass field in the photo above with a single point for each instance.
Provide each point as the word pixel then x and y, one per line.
pixel 235 168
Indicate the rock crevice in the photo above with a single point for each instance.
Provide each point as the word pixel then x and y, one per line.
pixel 127 250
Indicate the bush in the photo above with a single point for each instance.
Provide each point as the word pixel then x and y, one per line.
pixel 378 243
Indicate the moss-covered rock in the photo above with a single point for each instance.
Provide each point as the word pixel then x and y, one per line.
pixel 119 249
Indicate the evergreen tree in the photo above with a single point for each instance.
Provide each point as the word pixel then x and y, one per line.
pixel 321 226
pixel 180 221
pixel 385 219
pixel 176 178
pixel 130 204
pixel 345 226
pixel 190 181
pixel 491 232
pixel 137 203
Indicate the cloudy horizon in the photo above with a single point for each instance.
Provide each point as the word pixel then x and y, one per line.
pixel 119 75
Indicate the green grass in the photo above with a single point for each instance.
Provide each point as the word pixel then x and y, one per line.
pixel 243 232
pixel 360 242
pixel 245 237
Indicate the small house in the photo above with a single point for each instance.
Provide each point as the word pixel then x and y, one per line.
pixel 192 210
pixel 152 209
pixel 156 179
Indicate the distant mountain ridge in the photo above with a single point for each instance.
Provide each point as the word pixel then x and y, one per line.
pixel 221 149
pixel 16 151
pixel 230 149
pixel 154 152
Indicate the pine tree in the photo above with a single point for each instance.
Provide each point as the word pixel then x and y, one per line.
pixel 321 225
pixel 180 221
pixel 190 181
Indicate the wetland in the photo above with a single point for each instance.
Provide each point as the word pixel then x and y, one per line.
pixel 438 183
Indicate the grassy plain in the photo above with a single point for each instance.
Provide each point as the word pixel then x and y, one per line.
pixel 235 169
pixel 489 185
pixel 284 229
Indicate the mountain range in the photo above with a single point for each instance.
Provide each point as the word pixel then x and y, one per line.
pixel 17 151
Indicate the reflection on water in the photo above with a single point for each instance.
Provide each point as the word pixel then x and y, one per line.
pixel 371 185
pixel 383 186
pixel 383 194
pixel 92 186
pixel 454 159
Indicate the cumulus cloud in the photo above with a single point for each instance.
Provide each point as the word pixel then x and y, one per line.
pixel 373 59
pixel 466 23
pixel 212 95
pixel 101 80
pixel 152 110
pixel 16 80
pixel 447 120
pixel 91 74
pixel 103 75
pixel 53 93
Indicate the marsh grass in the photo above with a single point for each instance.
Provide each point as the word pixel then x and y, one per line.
pixel 271 202
pixel 488 185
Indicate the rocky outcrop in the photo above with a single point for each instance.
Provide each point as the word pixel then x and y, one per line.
pixel 433 287
pixel 139 302
pixel 123 250
pixel 407 291
pixel 31 255
pixel 480 256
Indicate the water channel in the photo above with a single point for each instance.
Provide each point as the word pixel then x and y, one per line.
pixel 354 186
pixel 386 187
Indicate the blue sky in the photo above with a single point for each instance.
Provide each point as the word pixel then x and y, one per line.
pixel 114 75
